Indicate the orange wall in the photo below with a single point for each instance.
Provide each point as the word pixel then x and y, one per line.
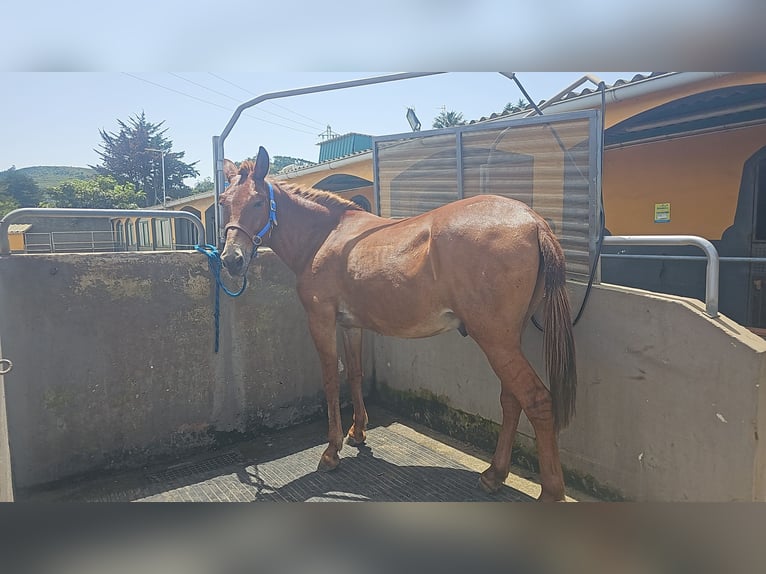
pixel 361 168
pixel 699 176
pixel 16 242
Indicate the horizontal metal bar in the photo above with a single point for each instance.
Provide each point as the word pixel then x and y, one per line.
pixel 20 214
pixel 315 89
pixel 721 259
pixel 711 275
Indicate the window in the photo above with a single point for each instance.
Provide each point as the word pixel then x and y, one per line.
pixel 144 237
pixel 130 238
pixel 119 236
pixel 162 235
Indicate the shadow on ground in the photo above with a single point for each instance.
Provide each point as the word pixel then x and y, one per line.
pixel 281 467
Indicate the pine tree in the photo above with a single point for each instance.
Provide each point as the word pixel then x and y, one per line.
pixel 126 157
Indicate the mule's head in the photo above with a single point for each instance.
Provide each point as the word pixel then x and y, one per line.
pixel 245 211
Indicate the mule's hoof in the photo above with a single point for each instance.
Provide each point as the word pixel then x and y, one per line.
pixel 328 463
pixel 490 487
pixel 545 497
pixel 491 480
pixel 351 441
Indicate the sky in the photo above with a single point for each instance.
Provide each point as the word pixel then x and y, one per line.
pixel 54 118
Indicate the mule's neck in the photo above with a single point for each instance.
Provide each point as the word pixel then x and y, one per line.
pixel 303 226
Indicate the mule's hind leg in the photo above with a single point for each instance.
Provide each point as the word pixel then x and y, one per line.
pixel 519 379
pixel 352 345
pixel 492 478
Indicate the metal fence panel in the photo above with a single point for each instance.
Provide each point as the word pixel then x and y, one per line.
pixel 551 163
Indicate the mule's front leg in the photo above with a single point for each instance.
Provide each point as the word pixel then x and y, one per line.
pixel 322 327
pixel 352 345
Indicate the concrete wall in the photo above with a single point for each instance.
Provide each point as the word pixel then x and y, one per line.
pixel 114 367
pixel 670 404
pixel 114 363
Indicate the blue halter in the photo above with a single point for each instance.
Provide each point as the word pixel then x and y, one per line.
pixel 272 222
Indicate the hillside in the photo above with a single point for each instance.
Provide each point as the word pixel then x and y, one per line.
pixel 49 176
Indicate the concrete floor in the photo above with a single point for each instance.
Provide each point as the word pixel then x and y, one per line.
pixel 401 461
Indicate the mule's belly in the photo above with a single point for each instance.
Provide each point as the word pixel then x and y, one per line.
pixel 405 326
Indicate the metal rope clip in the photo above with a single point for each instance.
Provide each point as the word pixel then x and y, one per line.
pixel 5 366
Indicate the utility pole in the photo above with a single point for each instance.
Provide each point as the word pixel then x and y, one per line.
pixel 162 154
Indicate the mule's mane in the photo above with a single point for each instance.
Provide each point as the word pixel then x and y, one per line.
pixel 245 169
pixel 326 198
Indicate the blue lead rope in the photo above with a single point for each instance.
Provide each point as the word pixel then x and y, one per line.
pixel 214 264
pixel 214 260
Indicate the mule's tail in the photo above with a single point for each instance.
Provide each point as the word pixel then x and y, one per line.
pixel 558 339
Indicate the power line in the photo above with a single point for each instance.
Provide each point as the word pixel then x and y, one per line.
pixel 271 102
pixel 236 100
pixel 205 87
pixel 214 104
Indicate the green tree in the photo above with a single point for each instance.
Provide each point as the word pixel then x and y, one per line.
pixel 203 186
pixel 510 107
pixel 100 192
pixel 125 156
pixel 20 187
pixel 279 162
pixel 7 204
pixel 448 119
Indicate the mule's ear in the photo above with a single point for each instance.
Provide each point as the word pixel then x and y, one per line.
pixel 229 170
pixel 261 164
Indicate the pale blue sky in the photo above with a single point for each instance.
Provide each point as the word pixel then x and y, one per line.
pixel 53 118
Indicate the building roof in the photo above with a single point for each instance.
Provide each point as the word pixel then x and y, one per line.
pixel 343 136
pixel 573 94
pixel 183 200
pixel 15 228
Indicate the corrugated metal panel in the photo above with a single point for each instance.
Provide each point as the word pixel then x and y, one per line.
pixel 344 145
pixel 545 162
pixel 417 174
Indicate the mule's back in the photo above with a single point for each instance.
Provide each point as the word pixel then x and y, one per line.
pixel 426 274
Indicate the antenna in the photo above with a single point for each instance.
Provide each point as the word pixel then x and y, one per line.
pixel 327 134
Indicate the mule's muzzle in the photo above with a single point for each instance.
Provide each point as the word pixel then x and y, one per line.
pixel 233 260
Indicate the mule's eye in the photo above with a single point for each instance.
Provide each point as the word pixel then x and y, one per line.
pixel 258 202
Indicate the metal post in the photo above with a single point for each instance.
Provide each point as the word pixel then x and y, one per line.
pixel 162 156
pixel 6 475
pixel 218 184
pixel 164 194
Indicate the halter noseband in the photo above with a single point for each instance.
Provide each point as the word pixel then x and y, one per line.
pixel 272 222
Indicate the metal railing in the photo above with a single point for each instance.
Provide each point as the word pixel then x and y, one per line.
pixel 712 270
pixel 70 241
pixel 26 212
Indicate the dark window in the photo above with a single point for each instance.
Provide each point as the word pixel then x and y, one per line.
pixel 760 200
